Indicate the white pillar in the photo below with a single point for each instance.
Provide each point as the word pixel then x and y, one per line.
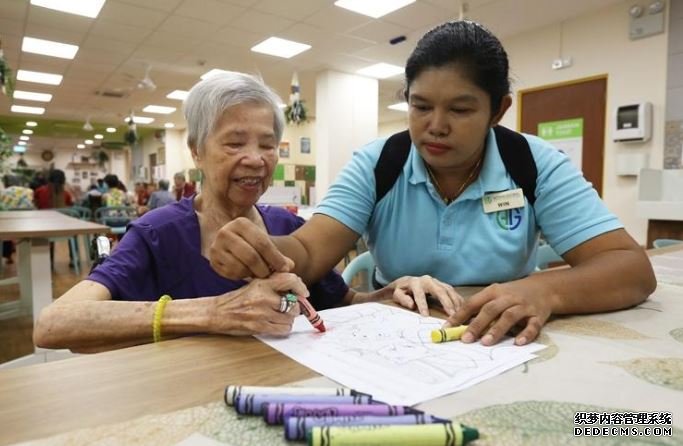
pixel 345 119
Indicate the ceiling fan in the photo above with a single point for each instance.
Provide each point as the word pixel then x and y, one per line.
pixel 146 83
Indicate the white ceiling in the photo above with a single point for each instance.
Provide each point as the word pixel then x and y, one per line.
pixel 182 39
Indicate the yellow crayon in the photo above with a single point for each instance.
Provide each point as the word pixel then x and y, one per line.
pixel 448 434
pixel 448 334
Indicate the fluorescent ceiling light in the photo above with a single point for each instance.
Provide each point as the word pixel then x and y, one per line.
pixel 373 8
pixel 39 78
pixel 401 106
pixel 24 138
pixel 27 132
pixel 111 130
pixel 25 109
pixel 180 94
pixel 49 48
pixel 31 123
pixel 80 146
pixel 19 149
pixel 88 141
pixel 169 125
pixel 87 8
pixel 280 47
pixel 212 72
pixel 32 96
pixel 381 70
pixel 22 143
pixel 160 109
pixel 98 136
pixel 141 120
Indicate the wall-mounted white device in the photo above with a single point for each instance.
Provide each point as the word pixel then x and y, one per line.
pixel 633 122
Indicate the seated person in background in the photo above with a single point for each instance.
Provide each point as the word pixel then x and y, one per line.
pixel 181 187
pixel 234 127
pixel 162 196
pixel 13 197
pixel 115 195
pixel 434 222
pixel 53 194
pixel 141 194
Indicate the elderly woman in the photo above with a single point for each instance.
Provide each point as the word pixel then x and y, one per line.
pixel 158 281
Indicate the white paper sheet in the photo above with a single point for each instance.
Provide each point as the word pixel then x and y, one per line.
pixel 387 352
pixel 668 267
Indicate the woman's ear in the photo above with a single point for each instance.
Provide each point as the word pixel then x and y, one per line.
pixel 505 103
pixel 195 153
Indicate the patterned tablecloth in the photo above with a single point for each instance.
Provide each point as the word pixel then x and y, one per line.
pixel 624 362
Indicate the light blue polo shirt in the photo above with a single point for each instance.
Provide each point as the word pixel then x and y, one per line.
pixel 412 231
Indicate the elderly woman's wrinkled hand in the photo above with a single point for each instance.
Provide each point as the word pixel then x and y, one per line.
pixel 242 250
pixel 257 307
pixel 411 291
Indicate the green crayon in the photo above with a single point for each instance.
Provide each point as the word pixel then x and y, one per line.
pixel 448 334
pixel 450 434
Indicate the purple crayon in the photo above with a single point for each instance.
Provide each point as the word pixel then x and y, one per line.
pixel 296 428
pixel 251 404
pixel 276 413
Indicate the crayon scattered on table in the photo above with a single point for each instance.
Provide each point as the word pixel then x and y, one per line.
pixel 447 434
pixel 448 334
pixel 277 413
pixel 296 428
pixel 252 404
pixel 232 391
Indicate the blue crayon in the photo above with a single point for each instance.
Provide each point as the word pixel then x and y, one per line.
pixel 296 428
pixel 250 404
pixel 277 413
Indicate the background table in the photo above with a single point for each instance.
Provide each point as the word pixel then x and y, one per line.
pixel 32 229
pixel 630 360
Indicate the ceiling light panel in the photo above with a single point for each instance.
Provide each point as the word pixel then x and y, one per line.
pixel 38 77
pixel 49 48
pixel 381 70
pixel 141 120
pixel 179 94
pixel 169 125
pixel 401 106
pixel 87 8
pixel 159 109
pixel 373 8
pixel 31 123
pixel 212 72
pixel 278 47
pixel 32 96
pixel 25 109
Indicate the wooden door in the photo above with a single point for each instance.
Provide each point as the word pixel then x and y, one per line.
pixel 583 98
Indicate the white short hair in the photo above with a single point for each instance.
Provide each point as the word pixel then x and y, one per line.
pixel 211 97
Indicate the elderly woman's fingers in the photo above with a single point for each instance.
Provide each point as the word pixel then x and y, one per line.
pixel 288 282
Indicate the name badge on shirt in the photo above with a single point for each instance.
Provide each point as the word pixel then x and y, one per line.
pixel 502 201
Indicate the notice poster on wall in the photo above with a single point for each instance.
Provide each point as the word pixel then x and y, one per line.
pixel 566 136
pixel 284 149
pixel 305 144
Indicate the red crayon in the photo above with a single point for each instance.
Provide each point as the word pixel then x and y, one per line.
pixel 312 315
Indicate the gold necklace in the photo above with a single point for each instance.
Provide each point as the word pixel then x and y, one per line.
pixel 443 196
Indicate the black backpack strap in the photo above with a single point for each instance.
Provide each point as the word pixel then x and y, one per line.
pixel 390 163
pixel 519 162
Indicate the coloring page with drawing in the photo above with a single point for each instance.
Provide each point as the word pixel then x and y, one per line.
pixel 387 352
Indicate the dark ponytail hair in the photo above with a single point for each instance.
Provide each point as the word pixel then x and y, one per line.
pixel 471 47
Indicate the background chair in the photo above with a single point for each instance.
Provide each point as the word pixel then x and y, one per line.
pixel 116 217
pixel 74 253
pixel 545 254
pixel 662 242
pixel 362 263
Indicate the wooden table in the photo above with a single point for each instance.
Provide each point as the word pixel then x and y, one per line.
pixel 32 229
pixel 591 361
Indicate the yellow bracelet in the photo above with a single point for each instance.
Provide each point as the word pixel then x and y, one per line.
pixel 158 314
